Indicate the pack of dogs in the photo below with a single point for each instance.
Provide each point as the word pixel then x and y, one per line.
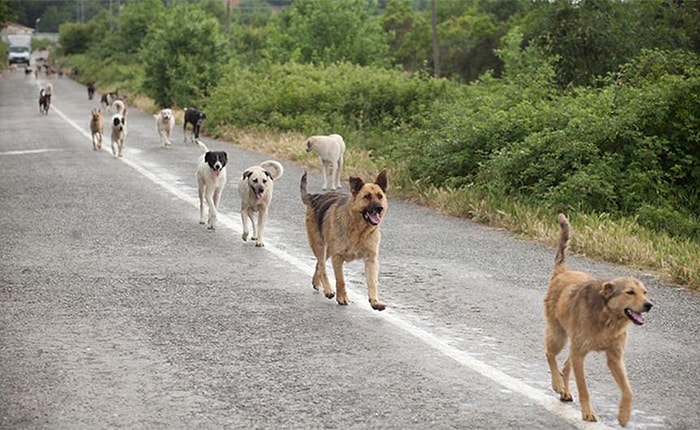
pixel 588 313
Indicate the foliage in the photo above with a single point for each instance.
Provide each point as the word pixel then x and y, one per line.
pixel 182 54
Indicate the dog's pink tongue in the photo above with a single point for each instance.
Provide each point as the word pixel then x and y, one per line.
pixel 258 196
pixel 375 219
pixel 638 317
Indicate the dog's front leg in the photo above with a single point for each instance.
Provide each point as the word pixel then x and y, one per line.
pixel 617 367
pixel 324 171
pixel 258 232
pixel 587 413
pixel 372 275
pixel 244 222
pixel 340 290
pixel 212 210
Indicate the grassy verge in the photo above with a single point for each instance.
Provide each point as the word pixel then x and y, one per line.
pixel 621 241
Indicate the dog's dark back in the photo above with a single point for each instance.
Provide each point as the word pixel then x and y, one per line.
pixel 194 117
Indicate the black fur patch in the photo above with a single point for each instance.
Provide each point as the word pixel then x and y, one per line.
pixel 322 202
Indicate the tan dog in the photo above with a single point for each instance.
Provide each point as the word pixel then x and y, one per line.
pixel 594 316
pixel 255 190
pixel 330 150
pixel 345 228
pixel 97 128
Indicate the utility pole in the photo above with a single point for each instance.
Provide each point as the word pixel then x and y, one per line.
pixel 436 45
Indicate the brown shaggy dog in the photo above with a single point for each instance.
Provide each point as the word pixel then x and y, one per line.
pixel 345 228
pixel 97 128
pixel 594 316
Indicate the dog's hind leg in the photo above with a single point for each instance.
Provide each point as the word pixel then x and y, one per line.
pixel 617 367
pixel 339 171
pixel 324 170
pixel 555 339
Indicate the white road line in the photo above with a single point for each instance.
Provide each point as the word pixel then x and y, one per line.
pixel 549 401
pixel 29 151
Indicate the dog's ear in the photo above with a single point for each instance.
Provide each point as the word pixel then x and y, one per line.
pixel 382 180
pixel 607 290
pixel 269 175
pixel 224 158
pixel 356 184
pixel 247 174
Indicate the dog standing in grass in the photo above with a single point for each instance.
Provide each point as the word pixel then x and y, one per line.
pixel 255 190
pixel 165 121
pixel 330 150
pixel 97 128
pixel 344 228
pixel 594 316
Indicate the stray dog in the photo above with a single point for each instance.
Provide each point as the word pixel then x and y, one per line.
pixel 165 121
pixel 107 99
pixel 330 150
pixel 118 135
pixel 346 228
pixel 45 99
pixel 196 118
pixel 255 190
pixel 594 315
pixel 91 90
pixel 211 179
pixel 97 129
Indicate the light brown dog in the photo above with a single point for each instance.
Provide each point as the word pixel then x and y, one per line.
pixel 97 128
pixel 255 189
pixel 594 315
pixel 344 228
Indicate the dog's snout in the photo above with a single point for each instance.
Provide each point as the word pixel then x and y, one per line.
pixel 376 209
pixel 648 306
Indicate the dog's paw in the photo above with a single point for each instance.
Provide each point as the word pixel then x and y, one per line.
pixel 377 305
pixel 328 294
pixel 211 227
pixel 342 300
pixel 244 236
pixel 566 397
pixel 623 417
pixel 259 244
pixel 589 416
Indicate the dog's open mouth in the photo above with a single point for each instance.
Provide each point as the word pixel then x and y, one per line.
pixel 373 216
pixel 636 317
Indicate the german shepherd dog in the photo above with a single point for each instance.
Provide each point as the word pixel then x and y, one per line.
pixel 594 315
pixel 344 228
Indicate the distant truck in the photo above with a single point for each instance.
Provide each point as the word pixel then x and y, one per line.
pixel 19 49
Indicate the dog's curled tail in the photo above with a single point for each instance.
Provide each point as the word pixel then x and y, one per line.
pixel 202 146
pixel 276 165
pixel 563 240
pixel 305 197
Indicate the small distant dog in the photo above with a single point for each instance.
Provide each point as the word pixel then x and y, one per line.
pixel 97 129
pixel 118 134
pixel 165 121
pixel 107 99
pixel 45 99
pixel 91 90
pixel 345 228
pixel 211 179
pixel 196 118
pixel 330 150
pixel 594 315
pixel 255 190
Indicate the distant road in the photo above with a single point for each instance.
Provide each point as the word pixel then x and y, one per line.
pixel 117 309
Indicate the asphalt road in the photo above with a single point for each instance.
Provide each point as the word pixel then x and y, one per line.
pixel 118 310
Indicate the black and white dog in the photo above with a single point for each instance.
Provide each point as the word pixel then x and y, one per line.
pixel 211 179
pixel 45 99
pixel 91 90
pixel 196 118
pixel 107 99
pixel 118 134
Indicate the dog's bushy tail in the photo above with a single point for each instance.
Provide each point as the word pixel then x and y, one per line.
pixel 202 146
pixel 305 197
pixel 563 240
pixel 276 165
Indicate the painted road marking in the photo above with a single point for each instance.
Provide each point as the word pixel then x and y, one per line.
pixel 548 401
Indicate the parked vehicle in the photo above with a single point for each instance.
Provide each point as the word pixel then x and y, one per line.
pixel 19 49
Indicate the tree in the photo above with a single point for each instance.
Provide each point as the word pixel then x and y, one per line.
pixel 182 55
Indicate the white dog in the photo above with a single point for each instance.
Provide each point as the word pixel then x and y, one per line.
pixel 165 121
pixel 118 134
pixel 330 150
pixel 255 190
pixel 120 107
pixel 211 179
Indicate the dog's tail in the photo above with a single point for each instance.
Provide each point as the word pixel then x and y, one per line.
pixel 202 146
pixel 305 197
pixel 277 166
pixel 120 107
pixel 563 241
